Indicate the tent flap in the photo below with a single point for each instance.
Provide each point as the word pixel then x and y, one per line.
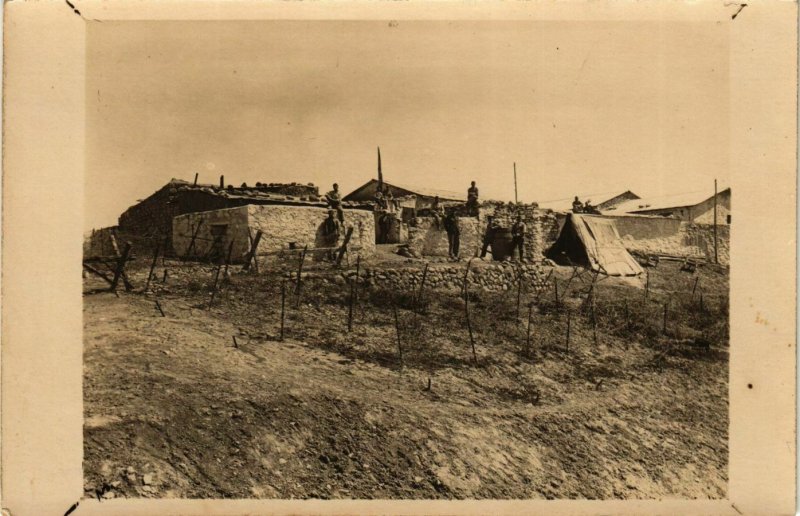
pixel 601 243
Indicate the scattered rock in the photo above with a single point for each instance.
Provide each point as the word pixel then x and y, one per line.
pixel 147 479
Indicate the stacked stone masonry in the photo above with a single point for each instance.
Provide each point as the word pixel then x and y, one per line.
pixel 491 277
pixel 428 239
pixel 281 227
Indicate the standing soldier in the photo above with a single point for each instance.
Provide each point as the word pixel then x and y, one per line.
pixel 453 234
pixel 518 238
pixel 488 236
pixel 472 199
pixel 436 212
pixel 331 229
pixel 334 199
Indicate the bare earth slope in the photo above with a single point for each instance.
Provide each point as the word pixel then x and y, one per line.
pixel 173 409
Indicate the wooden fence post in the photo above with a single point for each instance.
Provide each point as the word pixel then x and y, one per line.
pixel 555 288
pixel 283 305
pixel 350 311
pixel 519 288
pixel 189 249
pixel 397 330
pixel 528 337
pixel 300 272
pixel 152 267
pixel 251 254
pixel 120 269
pixel 569 320
pixel 466 312
pixel 421 288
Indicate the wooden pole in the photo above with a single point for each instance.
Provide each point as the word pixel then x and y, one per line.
pixel 421 288
pixel 516 200
pixel 283 305
pixel 228 259
pixel 466 312
pixel 569 321
pixel 519 288
pixel 196 176
pixel 123 259
pixel 594 320
pixel 222 181
pixel 300 270
pixel 466 274
pixel 716 257
pixel 158 305
pixel 555 288
pixel 695 286
pixel 646 284
pixel 216 277
pixel 152 267
pixel 528 337
pixel 343 249
pixel 251 254
pixel 194 237
pixel 214 286
pixel 235 344
pixel 350 312
pixel 469 328
pixel 164 253
pixel 397 331
pixel 164 279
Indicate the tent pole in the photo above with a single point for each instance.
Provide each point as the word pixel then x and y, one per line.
pixel 716 256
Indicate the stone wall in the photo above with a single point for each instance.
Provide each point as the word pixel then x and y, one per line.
pixel 302 225
pixel 541 230
pixel 701 236
pixel 487 276
pixel 426 239
pixel 279 225
pixel 236 220
pixel 673 236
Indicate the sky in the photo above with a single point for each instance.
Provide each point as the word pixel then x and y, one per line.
pixel 580 107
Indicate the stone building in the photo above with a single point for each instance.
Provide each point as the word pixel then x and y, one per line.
pixel 422 197
pixel 284 228
pixel 695 207
pixel 149 221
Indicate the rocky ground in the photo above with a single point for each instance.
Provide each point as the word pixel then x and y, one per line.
pixel 206 401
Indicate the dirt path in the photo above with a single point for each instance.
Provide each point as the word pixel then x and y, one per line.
pixel 174 409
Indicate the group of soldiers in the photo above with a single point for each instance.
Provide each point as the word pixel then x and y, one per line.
pixel 585 207
pixel 449 222
pixel 332 226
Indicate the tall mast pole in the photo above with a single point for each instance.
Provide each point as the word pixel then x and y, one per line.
pixel 516 200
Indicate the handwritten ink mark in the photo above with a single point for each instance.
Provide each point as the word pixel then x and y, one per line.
pixel 741 6
pixel 72 508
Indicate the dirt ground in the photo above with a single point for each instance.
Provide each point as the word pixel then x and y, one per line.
pixel 208 402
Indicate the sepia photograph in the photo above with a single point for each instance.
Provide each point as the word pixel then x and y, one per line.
pixel 406 259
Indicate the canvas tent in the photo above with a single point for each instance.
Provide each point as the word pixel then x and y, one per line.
pixel 593 242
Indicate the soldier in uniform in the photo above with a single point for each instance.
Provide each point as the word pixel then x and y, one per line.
pixel 453 234
pixel 334 198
